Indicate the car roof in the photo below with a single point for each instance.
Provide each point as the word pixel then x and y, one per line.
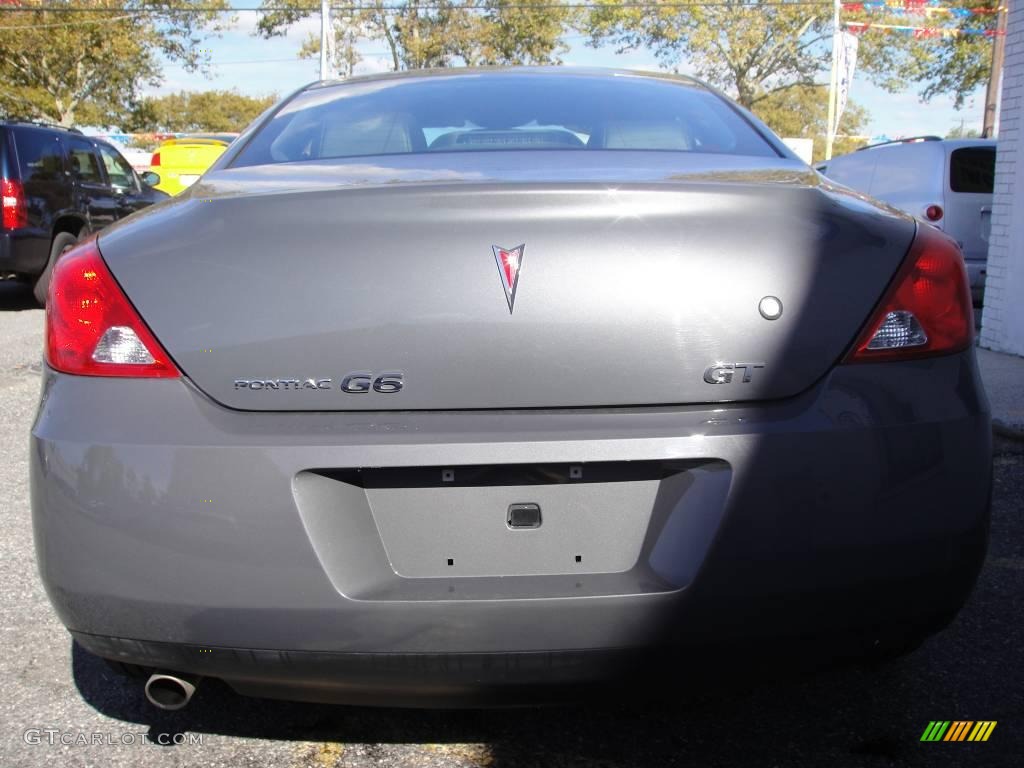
pixel 227 136
pixel 178 141
pixel 919 141
pixel 27 123
pixel 957 143
pixel 563 71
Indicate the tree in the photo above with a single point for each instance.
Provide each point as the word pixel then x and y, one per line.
pixel 88 66
pixel 802 112
pixel 954 63
pixel 753 48
pixel 513 32
pixel 435 33
pixel 214 111
pixel 750 49
pixel 960 132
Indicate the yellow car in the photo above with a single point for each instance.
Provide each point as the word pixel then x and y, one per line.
pixel 180 162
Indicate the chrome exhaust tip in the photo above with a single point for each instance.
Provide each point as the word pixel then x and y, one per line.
pixel 170 692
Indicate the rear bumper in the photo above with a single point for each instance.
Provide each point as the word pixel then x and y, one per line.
pixel 23 252
pixel 366 679
pixel 173 532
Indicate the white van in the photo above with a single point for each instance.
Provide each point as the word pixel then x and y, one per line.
pixel 945 182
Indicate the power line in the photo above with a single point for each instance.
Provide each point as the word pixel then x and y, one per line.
pixel 10 6
pixel 293 59
pixel 434 7
pixel 644 4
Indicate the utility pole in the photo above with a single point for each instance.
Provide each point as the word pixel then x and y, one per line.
pixel 988 128
pixel 325 31
pixel 833 86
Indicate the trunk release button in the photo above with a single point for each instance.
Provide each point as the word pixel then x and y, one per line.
pixel 524 516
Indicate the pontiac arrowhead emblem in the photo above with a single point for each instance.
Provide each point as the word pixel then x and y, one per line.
pixel 510 266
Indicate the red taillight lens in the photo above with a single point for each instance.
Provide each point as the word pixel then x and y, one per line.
pixel 155 160
pixel 933 212
pixel 927 309
pixel 91 327
pixel 15 211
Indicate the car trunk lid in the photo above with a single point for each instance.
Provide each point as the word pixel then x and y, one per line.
pixel 302 295
pixel 192 153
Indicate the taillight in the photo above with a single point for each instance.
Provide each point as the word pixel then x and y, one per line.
pixel 91 327
pixel 155 160
pixel 927 308
pixel 15 211
pixel 933 212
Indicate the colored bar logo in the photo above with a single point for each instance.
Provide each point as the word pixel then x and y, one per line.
pixel 958 730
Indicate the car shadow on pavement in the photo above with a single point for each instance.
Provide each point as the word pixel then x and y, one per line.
pixel 729 724
pixel 16 296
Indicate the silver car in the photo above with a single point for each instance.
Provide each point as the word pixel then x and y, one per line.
pixel 947 183
pixel 450 387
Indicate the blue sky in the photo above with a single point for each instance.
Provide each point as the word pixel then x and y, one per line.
pixel 254 66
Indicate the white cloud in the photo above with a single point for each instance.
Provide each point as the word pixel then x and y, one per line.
pixel 174 84
pixel 245 24
pixel 371 65
pixel 904 114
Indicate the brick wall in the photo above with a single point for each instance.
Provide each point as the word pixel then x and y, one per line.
pixel 1002 321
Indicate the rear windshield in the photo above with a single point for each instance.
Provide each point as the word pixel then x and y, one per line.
pixel 500 113
pixel 972 169
pixel 39 155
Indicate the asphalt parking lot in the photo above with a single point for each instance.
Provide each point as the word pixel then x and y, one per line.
pixel 860 716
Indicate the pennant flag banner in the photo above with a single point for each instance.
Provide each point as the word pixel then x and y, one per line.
pixel 921 33
pixel 930 9
pixel 846 64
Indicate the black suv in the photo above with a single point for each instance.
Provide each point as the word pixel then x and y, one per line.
pixel 58 187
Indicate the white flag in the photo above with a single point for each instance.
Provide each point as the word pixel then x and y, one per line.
pixel 847 63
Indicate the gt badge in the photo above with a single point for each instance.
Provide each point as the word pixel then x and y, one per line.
pixel 510 265
pixel 722 373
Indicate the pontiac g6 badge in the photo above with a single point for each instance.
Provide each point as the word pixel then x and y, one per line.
pixel 510 266
pixel 353 383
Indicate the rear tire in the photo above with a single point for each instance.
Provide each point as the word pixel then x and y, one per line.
pixel 62 242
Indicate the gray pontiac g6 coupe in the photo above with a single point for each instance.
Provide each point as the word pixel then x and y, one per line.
pixel 468 386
